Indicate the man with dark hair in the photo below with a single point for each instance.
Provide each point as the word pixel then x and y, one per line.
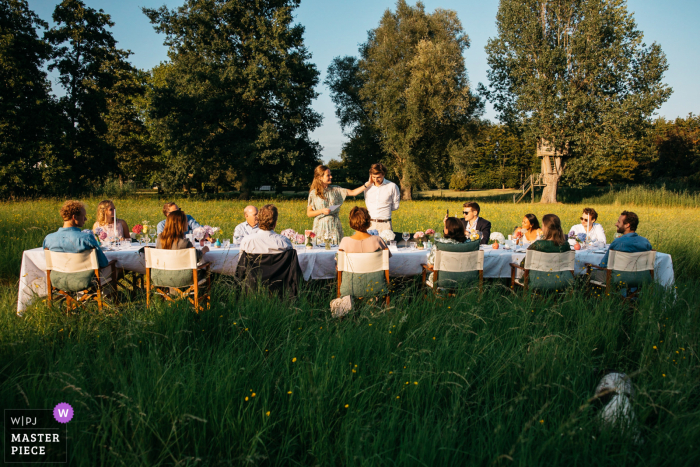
pixel 629 242
pixel 70 238
pixel 170 207
pixel 594 231
pixel 381 197
pixel 472 221
pixel 266 240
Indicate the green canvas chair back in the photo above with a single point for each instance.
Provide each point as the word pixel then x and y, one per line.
pixel 631 269
pixel 171 268
pixel 71 272
pixel 457 247
pixel 550 271
pixel 457 269
pixel 363 273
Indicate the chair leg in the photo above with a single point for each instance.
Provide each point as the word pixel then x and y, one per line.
pixel 49 289
pixel 196 291
pixel 148 287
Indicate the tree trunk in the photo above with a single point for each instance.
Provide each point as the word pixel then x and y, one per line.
pixel 551 177
pixel 406 190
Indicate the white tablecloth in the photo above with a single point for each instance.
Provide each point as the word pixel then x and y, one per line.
pixel 317 263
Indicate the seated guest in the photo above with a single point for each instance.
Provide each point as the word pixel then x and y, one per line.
pixel 630 242
pixel 594 231
pixel 361 241
pixel 529 230
pixel 249 225
pixel 453 233
pixel 173 235
pixel 105 221
pixel 172 207
pixel 266 240
pixel 70 238
pixel 472 221
pixel 553 238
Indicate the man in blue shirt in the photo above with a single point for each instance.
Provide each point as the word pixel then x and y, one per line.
pixel 170 207
pixel 630 242
pixel 70 238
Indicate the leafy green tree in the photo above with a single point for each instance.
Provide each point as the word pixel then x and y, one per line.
pixel 490 156
pixel 28 115
pixel 86 57
pixel 415 90
pixel 135 151
pixel 578 77
pixel 363 147
pixel 234 104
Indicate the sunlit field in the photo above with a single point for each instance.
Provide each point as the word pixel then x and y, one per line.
pixel 501 378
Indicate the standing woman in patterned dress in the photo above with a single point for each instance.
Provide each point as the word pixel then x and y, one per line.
pixel 322 196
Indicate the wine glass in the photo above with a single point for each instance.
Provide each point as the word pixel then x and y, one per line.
pixel 152 234
pixel 226 243
pixel 405 237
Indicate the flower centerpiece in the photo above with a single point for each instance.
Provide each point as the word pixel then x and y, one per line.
pixel 301 239
pixel 474 235
pixel 387 236
pixel 429 233
pixel 206 231
pixel 291 234
pixel 496 239
pixel 419 236
pixel 578 238
pixel 100 234
pixel 310 236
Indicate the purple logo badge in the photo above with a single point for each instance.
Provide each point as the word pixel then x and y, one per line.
pixel 63 413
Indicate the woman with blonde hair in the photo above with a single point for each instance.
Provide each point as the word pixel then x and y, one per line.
pixel 325 201
pixel 106 221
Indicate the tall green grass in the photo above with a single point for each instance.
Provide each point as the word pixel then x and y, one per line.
pixel 647 196
pixel 498 379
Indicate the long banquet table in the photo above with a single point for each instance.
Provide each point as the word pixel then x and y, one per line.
pixel 317 263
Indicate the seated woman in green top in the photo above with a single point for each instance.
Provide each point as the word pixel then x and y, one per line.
pixel 554 240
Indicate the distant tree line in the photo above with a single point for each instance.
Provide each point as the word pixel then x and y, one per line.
pixel 231 108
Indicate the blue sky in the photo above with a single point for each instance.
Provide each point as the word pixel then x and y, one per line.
pixel 336 28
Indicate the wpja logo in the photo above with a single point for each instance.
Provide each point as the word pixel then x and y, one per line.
pixel 37 435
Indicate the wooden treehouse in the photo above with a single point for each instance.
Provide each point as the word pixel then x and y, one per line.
pixel 551 171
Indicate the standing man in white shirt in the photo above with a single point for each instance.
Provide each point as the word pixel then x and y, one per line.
pixel 594 231
pixel 382 198
pixel 266 240
pixel 249 225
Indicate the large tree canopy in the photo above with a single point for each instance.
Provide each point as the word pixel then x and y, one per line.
pixel 577 75
pixel 415 90
pixel 90 68
pixel 235 100
pixel 27 110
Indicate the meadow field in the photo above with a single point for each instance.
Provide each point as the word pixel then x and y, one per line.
pixel 497 379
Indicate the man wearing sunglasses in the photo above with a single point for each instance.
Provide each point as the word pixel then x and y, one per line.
pixel 472 221
pixel 594 231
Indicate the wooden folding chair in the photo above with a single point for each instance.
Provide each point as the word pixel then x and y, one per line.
pixel 457 267
pixel 177 264
pixel 74 264
pixel 544 271
pixel 364 264
pixel 625 270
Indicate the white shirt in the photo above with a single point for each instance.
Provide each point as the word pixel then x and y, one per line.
pixel 244 229
pixel 382 200
pixel 596 233
pixel 472 225
pixel 265 242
